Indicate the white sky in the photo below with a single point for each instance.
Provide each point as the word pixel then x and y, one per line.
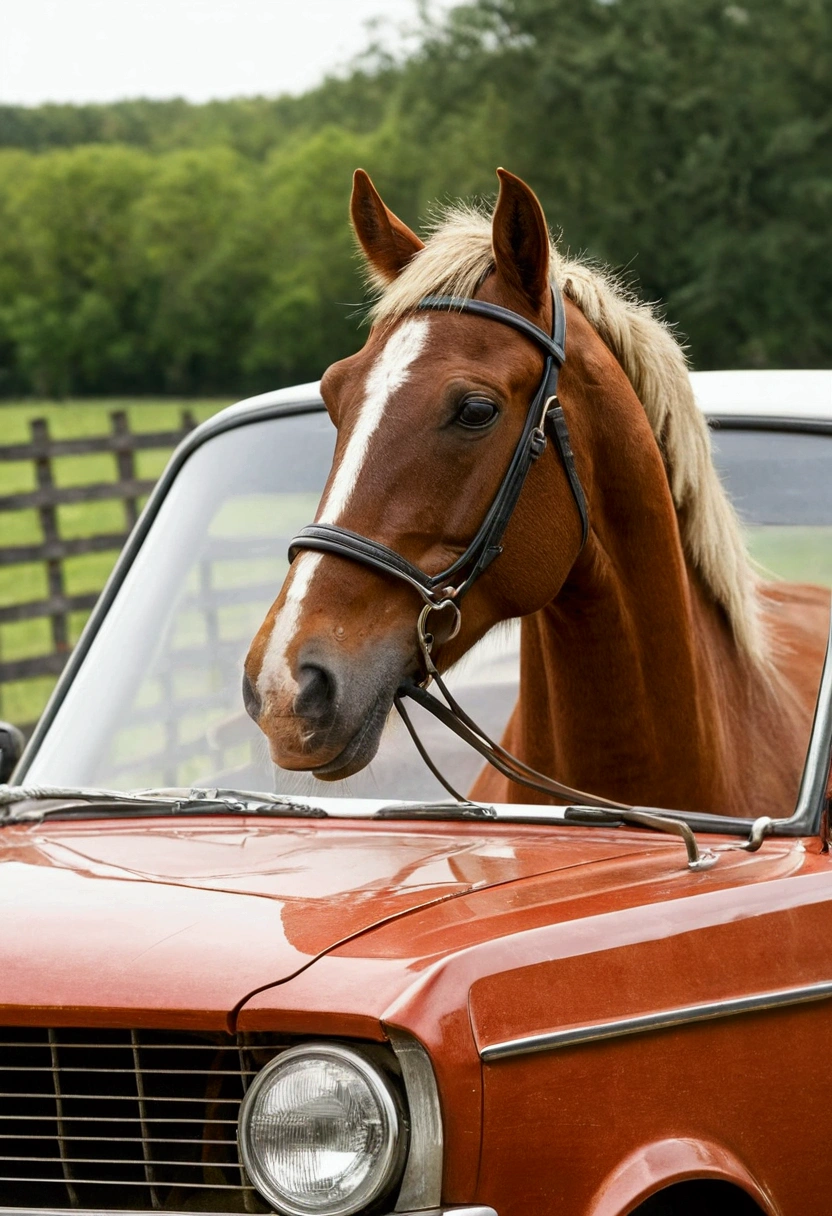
pixel 103 50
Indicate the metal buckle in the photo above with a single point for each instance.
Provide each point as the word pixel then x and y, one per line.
pixel 426 639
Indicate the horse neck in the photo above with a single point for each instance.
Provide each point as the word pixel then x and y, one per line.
pixel 620 700
pixel 630 676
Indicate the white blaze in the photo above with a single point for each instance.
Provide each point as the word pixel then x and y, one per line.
pixel 275 672
pixel 387 375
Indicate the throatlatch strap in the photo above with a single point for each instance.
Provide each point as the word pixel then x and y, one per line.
pixel 556 425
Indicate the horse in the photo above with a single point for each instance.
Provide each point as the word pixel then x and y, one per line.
pixel 656 665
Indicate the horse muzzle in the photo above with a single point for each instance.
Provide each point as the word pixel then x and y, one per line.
pixel 328 716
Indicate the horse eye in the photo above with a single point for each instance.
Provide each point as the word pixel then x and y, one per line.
pixel 476 412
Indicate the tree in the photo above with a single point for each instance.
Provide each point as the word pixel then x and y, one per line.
pixel 206 248
pixel 68 267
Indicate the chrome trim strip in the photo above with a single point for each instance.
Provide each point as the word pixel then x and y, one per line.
pixel 469 1210
pixel 687 1015
pixel 421 1186
pixel 812 794
pixel 474 1209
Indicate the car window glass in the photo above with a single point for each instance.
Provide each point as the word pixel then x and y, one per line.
pixel 158 701
pixel 781 485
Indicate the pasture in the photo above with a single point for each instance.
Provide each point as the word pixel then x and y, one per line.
pixel 22 700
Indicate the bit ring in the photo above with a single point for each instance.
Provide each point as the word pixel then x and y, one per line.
pixel 426 639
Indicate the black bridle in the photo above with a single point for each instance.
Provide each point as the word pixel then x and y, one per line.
pixel 544 416
pixel 544 420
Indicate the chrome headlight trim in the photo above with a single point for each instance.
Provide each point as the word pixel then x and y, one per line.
pixel 421 1185
pixel 378 1084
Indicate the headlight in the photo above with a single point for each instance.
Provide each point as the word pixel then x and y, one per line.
pixel 319 1131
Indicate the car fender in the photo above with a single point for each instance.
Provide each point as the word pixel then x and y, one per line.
pixel 652 1167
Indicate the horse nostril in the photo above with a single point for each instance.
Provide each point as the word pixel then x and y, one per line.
pixel 251 698
pixel 317 692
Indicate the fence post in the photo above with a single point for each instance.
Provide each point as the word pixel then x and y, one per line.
pixel 46 501
pixel 48 514
pixel 125 460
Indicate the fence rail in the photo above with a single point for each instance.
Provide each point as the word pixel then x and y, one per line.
pixel 53 549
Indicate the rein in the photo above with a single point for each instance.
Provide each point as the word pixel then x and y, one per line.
pixel 444 591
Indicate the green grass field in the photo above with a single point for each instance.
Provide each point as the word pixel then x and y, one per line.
pixel 794 554
pixel 22 701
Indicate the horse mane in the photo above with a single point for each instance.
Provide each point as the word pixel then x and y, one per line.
pixel 456 259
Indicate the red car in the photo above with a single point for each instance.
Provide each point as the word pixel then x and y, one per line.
pixel 227 992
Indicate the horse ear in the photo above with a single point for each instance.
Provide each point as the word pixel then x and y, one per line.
pixel 388 244
pixel 520 239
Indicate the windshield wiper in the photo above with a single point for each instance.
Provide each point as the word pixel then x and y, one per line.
pixel 435 810
pixel 95 803
pixel 698 859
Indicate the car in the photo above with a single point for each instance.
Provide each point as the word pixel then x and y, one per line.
pixel 224 987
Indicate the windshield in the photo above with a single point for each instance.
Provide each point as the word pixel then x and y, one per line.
pixel 157 701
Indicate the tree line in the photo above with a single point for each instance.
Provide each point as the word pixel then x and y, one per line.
pixel 154 247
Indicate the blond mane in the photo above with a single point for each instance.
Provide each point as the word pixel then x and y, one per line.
pixel 456 259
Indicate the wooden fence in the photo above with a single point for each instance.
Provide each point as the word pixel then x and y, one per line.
pixel 53 549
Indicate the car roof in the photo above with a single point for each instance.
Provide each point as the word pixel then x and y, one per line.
pixel 765 394
pixel 724 394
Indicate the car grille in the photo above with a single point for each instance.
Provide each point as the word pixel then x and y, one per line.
pixel 125 1119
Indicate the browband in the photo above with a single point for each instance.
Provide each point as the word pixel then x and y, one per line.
pixel 495 312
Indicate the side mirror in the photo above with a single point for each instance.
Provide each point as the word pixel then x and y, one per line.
pixel 11 749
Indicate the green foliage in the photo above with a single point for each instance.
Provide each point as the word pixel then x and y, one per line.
pixel 252 126
pixel 298 234
pixel 688 139
pixel 195 292
pixel 163 246
pixel 69 267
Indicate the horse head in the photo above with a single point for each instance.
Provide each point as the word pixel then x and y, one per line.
pixel 429 415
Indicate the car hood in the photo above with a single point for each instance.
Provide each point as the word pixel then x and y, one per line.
pixel 171 919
